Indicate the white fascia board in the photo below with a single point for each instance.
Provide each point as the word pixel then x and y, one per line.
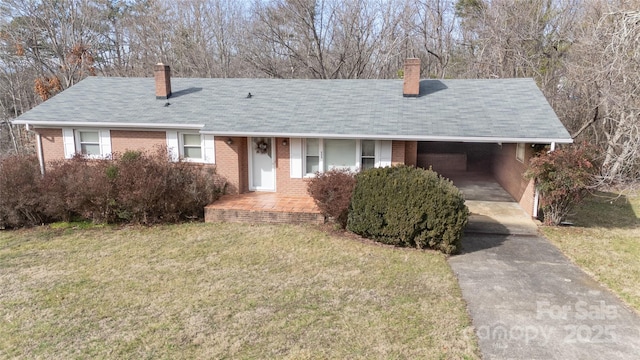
pixel 108 125
pixel 397 137
pixel 160 126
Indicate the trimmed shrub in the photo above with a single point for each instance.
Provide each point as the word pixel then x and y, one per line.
pixel 563 178
pixel 135 187
pixel 407 206
pixel 331 192
pixel 152 189
pixel 79 188
pixel 19 192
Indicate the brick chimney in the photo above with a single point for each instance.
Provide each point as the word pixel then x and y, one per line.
pixel 411 86
pixel 162 74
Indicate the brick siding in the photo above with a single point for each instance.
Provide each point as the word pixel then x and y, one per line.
pixel 284 183
pixel 443 163
pixel 397 152
pixel 232 163
pixel 509 172
pixel 411 153
pixel 123 140
pixel 52 146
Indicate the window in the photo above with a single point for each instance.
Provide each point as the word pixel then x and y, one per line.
pixel 312 156
pixel 92 143
pixel 368 154
pixel 89 143
pixel 520 150
pixel 191 146
pixel 327 154
pixel 340 154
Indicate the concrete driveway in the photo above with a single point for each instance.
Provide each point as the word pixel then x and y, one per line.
pixel 526 299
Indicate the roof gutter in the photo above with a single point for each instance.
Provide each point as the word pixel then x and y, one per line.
pixel 475 139
pixel 110 125
pixel 159 126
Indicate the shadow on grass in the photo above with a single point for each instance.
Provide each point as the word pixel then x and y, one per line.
pixel 607 210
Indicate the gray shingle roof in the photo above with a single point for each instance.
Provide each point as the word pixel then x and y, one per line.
pixel 465 110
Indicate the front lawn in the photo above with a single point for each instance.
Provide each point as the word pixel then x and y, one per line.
pixel 224 291
pixel 605 242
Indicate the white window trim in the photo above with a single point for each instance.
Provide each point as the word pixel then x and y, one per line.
pixel 207 146
pixel 382 159
pixel 72 145
pixel 182 146
pixel 520 152
pixel 79 143
pixel 295 158
pixel 173 145
pixel 305 174
pixel 376 153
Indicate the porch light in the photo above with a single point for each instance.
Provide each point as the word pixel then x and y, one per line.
pixel 229 141
pixel 284 142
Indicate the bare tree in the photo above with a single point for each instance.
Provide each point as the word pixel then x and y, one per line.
pixel 507 38
pixel 327 38
pixel 291 38
pixel 435 32
pixel 57 37
pixel 205 37
pixel 149 28
pixel 602 89
pixel 16 97
pixel 357 32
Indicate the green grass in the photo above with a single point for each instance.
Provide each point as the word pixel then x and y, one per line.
pixel 224 291
pixel 605 242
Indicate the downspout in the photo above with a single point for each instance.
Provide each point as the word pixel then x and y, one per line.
pixel 38 149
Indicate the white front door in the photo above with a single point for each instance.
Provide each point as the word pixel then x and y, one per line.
pixel 262 173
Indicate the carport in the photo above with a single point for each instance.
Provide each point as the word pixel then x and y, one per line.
pixel 457 157
pixel 488 172
pixel 493 210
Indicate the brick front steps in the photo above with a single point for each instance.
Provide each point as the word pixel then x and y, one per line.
pixel 259 207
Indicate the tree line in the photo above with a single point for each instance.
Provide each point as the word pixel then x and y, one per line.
pixel 584 54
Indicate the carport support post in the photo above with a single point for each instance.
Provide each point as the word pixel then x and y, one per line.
pixel 536 196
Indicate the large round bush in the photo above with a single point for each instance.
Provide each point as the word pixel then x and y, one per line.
pixel 407 206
